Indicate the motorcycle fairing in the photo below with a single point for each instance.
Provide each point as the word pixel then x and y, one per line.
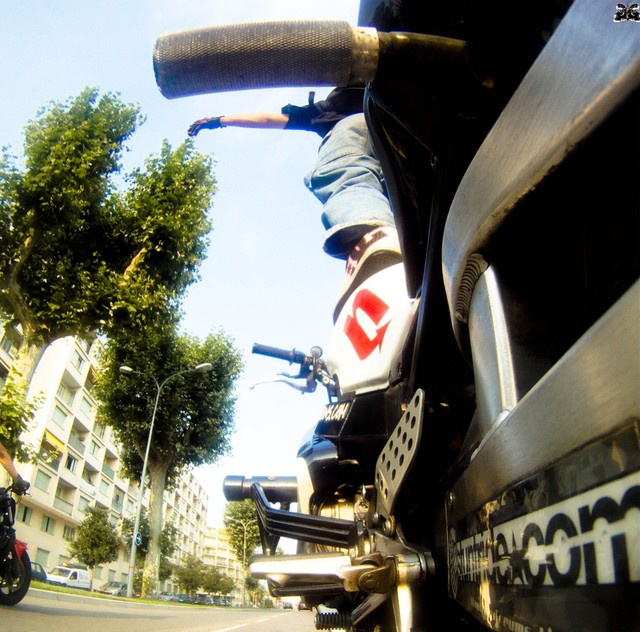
pixel 370 332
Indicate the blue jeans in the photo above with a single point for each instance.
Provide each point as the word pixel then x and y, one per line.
pixel 347 179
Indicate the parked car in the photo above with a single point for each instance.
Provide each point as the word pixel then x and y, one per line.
pixel 222 601
pixel 287 605
pixel 69 576
pixel 168 596
pixel 182 598
pixel 118 589
pixel 37 572
pixel 204 600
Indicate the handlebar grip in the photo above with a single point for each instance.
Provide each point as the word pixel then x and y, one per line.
pixel 264 55
pixel 277 489
pixel 292 356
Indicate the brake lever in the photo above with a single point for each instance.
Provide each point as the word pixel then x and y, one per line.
pixel 309 387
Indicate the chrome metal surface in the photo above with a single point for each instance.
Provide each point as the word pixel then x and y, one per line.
pixel 588 67
pixel 590 392
pixel 493 355
pixel 313 569
pixel 365 55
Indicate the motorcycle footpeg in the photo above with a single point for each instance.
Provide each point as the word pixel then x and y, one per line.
pixel 398 454
pixel 317 572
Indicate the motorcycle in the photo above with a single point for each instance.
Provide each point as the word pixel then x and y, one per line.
pixel 477 465
pixel 15 565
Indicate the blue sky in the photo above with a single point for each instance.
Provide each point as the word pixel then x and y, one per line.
pixel 266 278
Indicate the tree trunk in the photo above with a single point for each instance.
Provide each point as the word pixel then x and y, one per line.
pixel 157 479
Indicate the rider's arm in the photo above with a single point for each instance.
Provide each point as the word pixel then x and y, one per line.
pixel 262 120
pixel 266 120
pixel 7 463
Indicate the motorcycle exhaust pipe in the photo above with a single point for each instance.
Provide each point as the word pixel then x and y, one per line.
pixel 293 54
pixel 277 489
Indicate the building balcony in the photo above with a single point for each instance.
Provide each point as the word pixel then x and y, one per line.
pixel 76 443
pixel 109 471
pixel 63 505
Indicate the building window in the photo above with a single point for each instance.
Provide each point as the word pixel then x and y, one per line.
pixel 97 572
pixel 59 416
pixel 42 481
pixel 83 503
pixel 112 576
pixel 104 486
pixel 65 394
pixel 94 449
pixel 86 407
pixel 71 463
pixel 42 557
pixel 10 343
pixel 69 533
pixel 48 524
pixel 100 430
pixel 23 514
pixel 77 360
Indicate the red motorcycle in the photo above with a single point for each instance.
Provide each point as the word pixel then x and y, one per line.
pixel 15 565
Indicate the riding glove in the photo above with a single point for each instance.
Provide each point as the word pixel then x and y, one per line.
pixel 205 123
pixel 21 486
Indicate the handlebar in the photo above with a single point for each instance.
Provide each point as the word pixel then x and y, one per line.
pixel 264 55
pixel 292 357
pixel 296 53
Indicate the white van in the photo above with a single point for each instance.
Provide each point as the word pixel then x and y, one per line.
pixel 72 577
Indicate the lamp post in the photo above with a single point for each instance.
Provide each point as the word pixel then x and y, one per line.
pixel 244 526
pixel 127 370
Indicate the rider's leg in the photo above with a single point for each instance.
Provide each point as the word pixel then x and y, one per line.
pixel 348 180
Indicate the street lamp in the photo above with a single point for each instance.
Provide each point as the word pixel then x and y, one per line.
pixel 244 526
pixel 127 370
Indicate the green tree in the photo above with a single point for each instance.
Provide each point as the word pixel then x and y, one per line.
pixel 78 256
pixel 237 516
pixel 194 417
pixel 190 574
pixel 96 541
pixel 216 582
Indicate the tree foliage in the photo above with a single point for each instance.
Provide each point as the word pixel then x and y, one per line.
pixel 190 574
pixel 96 541
pixel 76 254
pixel 216 582
pixel 237 514
pixel 194 415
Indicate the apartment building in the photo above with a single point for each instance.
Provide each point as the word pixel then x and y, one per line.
pixel 218 553
pixel 78 464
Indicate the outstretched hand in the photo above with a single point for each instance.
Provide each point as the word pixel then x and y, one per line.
pixel 205 123
pixel 21 486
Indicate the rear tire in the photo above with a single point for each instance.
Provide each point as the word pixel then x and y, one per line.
pixel 15 584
